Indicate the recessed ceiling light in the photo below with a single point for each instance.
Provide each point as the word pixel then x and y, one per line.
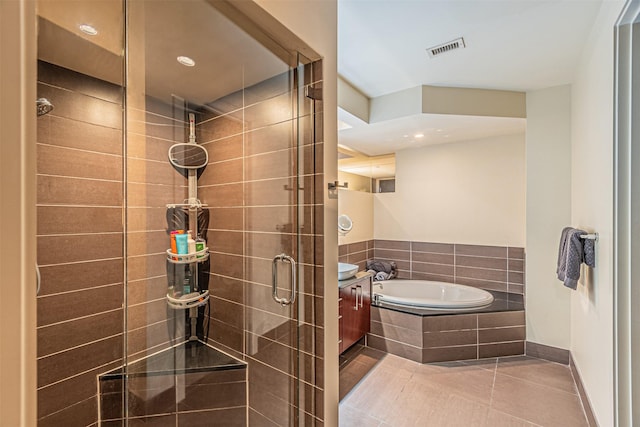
pixel 186 61
pixel 438 130
pixel 88 29
pixel 418 135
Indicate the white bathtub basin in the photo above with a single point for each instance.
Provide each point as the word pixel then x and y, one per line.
pixel 431 294
pixel 346 271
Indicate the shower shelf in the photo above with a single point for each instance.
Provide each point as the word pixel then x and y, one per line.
pixel 199 256
pixel 186 204
pixel 191 300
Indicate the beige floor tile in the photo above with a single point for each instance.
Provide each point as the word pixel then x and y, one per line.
pixel 398 363
pixel 504 392
pixel 415 405
pixel 500 419
pixel 460 412
pixel 488 364
pixel 538 404
pixel 428 369
pixel 351 374
pixel 470 382
pixel 352 417
pixel 538 371
pixel 378 389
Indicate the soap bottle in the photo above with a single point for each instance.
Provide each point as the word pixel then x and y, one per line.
pixel 200 245
pixel 191 243
pixel 186 284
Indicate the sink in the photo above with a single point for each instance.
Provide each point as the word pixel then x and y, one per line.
pixel 346 271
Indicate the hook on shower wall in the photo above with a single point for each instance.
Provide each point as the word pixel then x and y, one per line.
pixel 43 106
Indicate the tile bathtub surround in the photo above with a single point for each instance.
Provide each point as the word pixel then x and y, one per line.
pixel 80 242
pixel 448 337
pixel 497 268
pixel 250 187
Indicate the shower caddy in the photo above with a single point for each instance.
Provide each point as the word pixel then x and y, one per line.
pixel 197 297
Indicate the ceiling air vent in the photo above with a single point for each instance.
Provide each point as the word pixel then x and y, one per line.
pixel 446 47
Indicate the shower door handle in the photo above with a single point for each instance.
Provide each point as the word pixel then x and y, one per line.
pixel 38 279
pixel 274 279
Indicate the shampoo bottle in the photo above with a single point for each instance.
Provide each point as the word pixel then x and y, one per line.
pixel 182 244
pixel 191 243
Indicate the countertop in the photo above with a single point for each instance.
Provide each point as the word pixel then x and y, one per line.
pixel 359 276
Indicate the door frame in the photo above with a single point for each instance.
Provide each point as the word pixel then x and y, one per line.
pixel 626 216
pixel 17 212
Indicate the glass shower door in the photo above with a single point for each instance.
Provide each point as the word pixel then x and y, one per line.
pixel 250 356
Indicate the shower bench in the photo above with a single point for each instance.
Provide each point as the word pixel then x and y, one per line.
pixel 182 386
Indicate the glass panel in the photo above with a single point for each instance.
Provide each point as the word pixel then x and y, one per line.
pixel 241 361
pixel 79 205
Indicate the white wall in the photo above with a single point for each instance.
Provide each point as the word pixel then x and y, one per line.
pixel 592 209
pixel 548 153
pixel 354 182
pixel 464 192
pixel 359 206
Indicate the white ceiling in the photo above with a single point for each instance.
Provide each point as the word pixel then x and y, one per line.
pixel 511 44
pixel 393 135
pixel 516 45
pixel 227 58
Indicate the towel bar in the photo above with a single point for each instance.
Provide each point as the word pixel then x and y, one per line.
pixel 593 236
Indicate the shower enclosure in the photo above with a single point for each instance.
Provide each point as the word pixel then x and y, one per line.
pixel 114 348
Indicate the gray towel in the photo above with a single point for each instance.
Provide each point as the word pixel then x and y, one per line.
pixel 589 252
pixel 576 250
pixel 562 258
pixel 388 267
pixel 573 254
pixel 379 276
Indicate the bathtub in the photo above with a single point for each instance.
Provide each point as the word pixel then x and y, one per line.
pixel 431 295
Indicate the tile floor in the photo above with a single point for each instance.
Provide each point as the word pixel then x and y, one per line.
pixel 389 391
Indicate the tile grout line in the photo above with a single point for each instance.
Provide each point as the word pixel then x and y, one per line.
pixel 493 385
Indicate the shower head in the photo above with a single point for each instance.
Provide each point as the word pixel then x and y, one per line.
pixel 44 106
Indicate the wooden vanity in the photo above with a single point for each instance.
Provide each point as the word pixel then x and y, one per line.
pixel 354 309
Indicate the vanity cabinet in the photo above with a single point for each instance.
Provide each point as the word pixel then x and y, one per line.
pixel 354 309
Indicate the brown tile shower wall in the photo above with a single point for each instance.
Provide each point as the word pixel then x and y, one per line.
pixel 213 398
pixel 498 268
pixel 152 183
pixel 251 188
pixel 80 243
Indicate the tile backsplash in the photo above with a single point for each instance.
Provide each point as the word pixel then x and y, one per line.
pixel 498 268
